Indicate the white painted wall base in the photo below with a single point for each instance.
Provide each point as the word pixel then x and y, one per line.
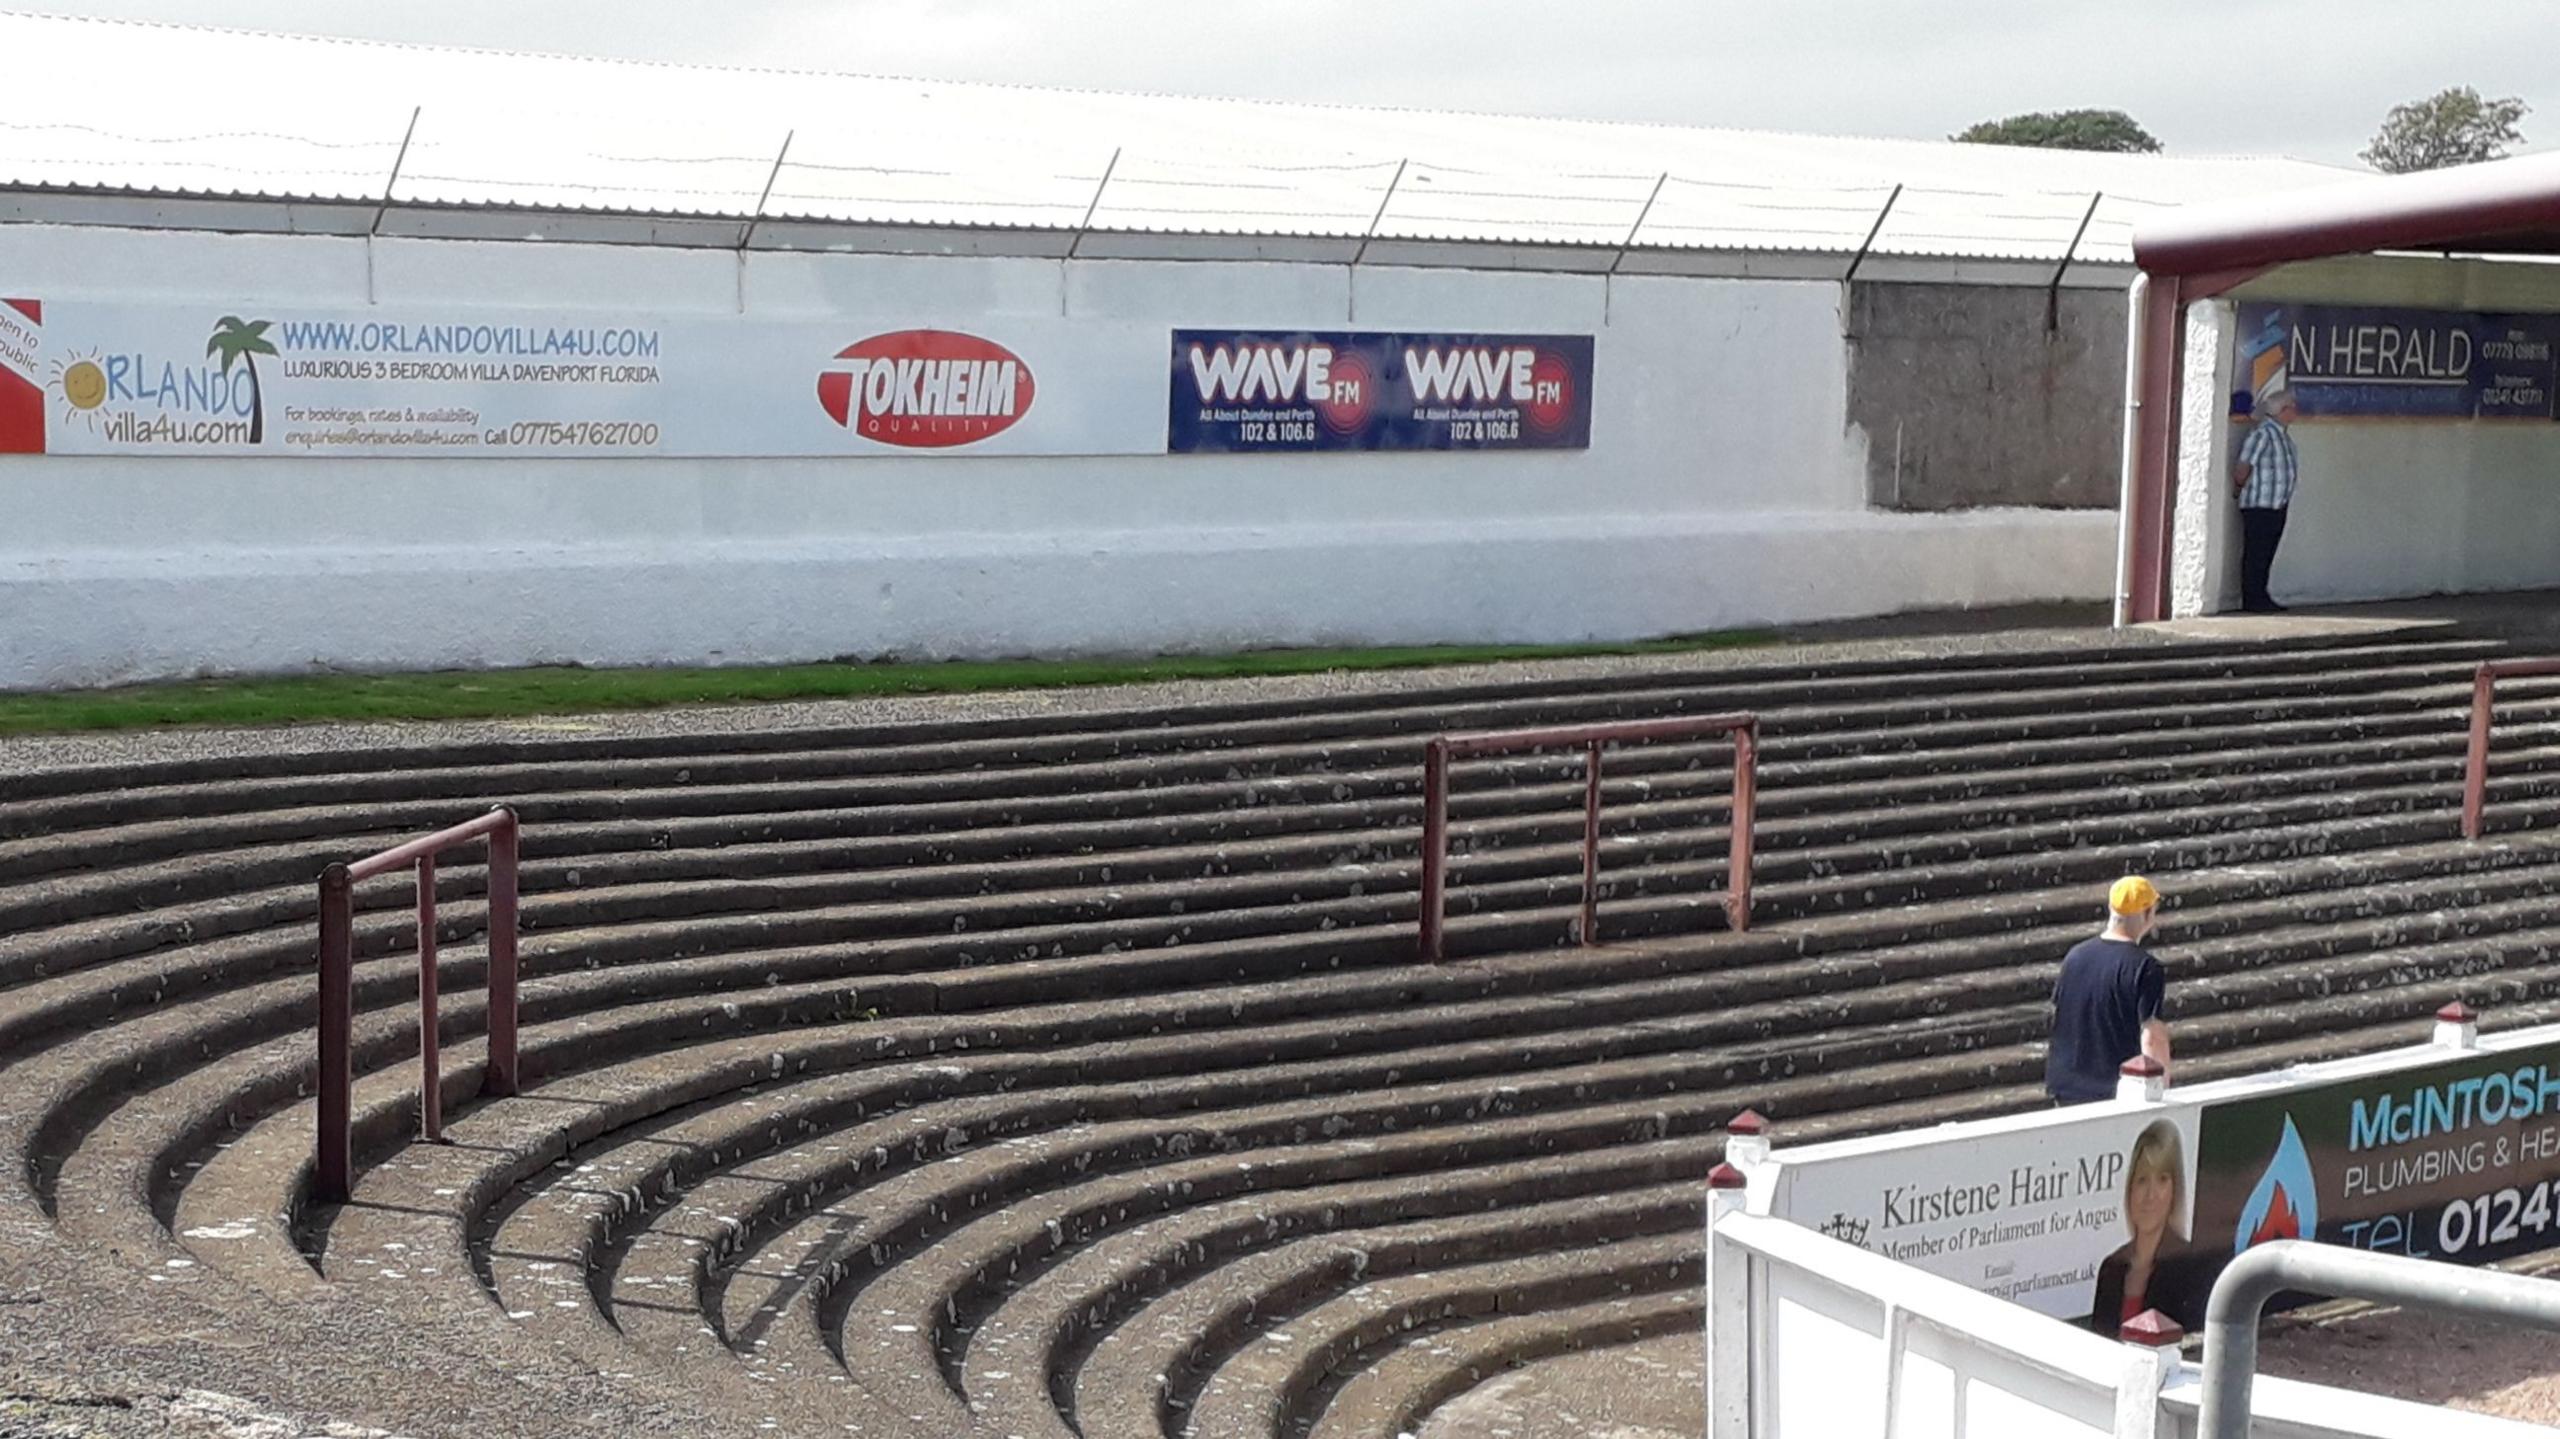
pixel 1723 487
pixel 108 618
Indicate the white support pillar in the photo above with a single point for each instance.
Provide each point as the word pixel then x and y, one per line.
pixel 2204 532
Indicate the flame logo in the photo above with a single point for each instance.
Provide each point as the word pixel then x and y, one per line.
pixel 2286 1203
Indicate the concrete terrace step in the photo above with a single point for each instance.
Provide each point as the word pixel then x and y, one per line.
pixel 2384 802
pixel 133 795
pixel 294 861
pixel 1136 1363
pixel 36 949
pixel 1020 1362
pixel 1397 1392
pixel 2512 787
pixel 1044 1075
pixel 1277 1386
pixel 392 980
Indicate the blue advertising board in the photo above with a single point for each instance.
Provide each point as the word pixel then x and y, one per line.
pixel 2424 364
pixel 1294 391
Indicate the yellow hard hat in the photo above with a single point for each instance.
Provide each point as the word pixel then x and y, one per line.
pixel 2132 895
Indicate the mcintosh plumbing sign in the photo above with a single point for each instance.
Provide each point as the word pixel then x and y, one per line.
pixel 2458 1161
pixel 2050 1210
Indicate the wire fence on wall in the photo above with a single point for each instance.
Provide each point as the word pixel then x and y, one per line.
pixel 468 158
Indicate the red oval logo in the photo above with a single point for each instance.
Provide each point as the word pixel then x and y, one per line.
pixel 926 389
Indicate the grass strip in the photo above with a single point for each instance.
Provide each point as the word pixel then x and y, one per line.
pixel 559 690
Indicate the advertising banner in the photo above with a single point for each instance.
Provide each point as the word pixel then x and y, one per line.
pixel 1291 392
pixel 81 378
pixel 2426 364
pixel 2081 1215
pixel 2458 1161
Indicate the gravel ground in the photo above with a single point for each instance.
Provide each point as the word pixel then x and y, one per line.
pixel 1657 1389
pixel 2429 1358
pixel 37 1409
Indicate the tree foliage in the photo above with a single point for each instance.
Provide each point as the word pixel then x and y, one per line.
pixel 2111 130
pixel 2451 127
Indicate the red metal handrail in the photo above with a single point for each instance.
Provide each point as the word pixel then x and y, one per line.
pixel 337 985
pixel 1745 729
pixel 2475 764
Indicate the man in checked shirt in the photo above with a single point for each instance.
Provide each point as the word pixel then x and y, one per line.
pixel 2264 473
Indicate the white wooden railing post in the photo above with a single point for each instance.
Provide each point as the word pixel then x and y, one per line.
pixel 2151 1341
pixel 1897 1338
pixel 1728 1305
pixel 1746 1141
pixel 2143 1078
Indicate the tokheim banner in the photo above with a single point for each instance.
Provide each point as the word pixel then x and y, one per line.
pixel 2081 1214
pixel 1238 390
pixel 80 378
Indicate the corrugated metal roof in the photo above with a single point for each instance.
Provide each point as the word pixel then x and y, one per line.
pixel 129 108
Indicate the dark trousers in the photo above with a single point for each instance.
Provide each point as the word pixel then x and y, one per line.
pixel 2260 532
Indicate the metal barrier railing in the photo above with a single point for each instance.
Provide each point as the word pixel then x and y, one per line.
pixel 2475 765
pixel 2243 1289
pixel 1436 756
pixel 337 986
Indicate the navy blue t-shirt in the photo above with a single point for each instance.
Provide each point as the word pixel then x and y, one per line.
pixel 2108 989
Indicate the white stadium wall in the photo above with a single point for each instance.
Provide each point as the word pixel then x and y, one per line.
pixel 1722 485
pixel 2387 507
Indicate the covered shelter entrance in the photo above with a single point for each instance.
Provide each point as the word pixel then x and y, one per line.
pixel 2409 326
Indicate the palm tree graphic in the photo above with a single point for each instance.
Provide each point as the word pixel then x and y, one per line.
pixel 239 342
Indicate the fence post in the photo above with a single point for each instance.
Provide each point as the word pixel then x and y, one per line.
pixel 1728 1306
pixel 1591 846
pixel 336 1078
pixel 1746 805
pixel 2458 1026
pixel 1746 1140
pixel 503 852
pixel 2151 1341
pixel 2475 764
pixel 430 1056
pixel 1435 845
pixel 1897 1343
pixel 2142 1078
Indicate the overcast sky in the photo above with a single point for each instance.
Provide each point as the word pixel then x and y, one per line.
pixel 2310 78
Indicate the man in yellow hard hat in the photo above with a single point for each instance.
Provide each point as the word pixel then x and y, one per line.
pixel 2106 1004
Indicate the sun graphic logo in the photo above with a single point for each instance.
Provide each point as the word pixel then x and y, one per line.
pixel 81 382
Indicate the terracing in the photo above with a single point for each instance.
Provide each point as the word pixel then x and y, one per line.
pixel 1073 1074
